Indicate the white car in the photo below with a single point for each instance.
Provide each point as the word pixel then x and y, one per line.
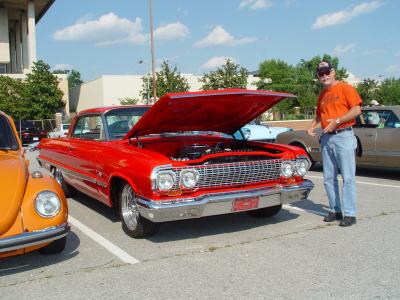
pixel 60 133
pixel 255 132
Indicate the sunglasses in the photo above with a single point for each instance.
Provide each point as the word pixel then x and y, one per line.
pixel 324 72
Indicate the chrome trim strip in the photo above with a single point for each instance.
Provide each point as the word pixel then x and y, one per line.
pixel 76 175
pixel 28 239
pixel 219 203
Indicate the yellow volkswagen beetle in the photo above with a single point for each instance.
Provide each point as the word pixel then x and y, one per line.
pixel 33 209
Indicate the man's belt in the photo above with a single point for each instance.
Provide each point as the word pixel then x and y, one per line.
pixel 340 130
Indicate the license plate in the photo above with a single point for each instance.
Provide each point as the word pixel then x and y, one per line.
pixel 245 203
pixel 35 138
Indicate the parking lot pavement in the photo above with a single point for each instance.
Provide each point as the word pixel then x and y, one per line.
pixel 293 254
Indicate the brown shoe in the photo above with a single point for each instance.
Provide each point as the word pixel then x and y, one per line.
pixel 333 216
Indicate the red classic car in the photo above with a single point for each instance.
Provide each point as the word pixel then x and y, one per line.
pixel 178 159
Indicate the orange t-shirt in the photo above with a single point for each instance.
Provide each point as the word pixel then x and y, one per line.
pixel 335 101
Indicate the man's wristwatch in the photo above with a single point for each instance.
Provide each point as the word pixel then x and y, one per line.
pixel 337 122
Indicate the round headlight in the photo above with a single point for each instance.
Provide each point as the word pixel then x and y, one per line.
pixel 47 204
pixel 302 166
pixel 189 178
pixel 287 169
pixel 165 180
pixel 246 133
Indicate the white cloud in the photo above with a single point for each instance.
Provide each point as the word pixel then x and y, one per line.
pixel 109 29
pixel 342 49
pixel 393 69
pixel 289 3
pixel 216 62
pixel 171 31
pixel 397 54
pixel 219 36
pixel 63 67
pixel 255 4
pixel 345 16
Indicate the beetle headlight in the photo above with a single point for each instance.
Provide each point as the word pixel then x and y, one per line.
pixel 47 204
pixel 302 166
pixel 189 178
pixel 246 133
pixel 165 180
pixel 287 169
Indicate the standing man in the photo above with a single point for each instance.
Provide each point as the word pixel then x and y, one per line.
pixel 338 106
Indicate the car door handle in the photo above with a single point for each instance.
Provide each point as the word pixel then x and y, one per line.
pixel 370 134
pixel 70 148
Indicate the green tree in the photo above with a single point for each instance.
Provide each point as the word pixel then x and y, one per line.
pixel 277 75
pixel 389 92
pixel 74 77
pixel 12 98
pixel 368 89
pixel 169 80
pixel 228 76
pixel 43 93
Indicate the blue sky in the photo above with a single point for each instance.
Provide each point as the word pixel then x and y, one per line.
pixel 103 37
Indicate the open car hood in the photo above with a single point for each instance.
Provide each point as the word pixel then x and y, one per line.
pixel 223 111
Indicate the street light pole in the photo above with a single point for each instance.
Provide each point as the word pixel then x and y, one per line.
pixel 153 67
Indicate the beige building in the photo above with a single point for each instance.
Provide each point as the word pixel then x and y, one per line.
pixel 18 19
pixel 110 89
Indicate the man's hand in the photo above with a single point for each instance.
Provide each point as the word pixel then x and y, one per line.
pixel 311 131
pixel 331 125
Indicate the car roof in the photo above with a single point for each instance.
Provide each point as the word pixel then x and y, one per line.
pixel 105 109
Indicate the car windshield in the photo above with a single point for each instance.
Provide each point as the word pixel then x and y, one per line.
pixel 8 140
pixel 120 121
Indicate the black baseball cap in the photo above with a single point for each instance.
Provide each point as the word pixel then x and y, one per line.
pixel 324 66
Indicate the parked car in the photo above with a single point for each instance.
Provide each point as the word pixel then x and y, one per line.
pixel 266 133
pixel 164 163
pixel 377 131
pixel 60 133
pixel 30 135
pixel 33 209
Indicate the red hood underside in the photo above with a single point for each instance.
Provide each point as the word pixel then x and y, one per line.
pixel 223 111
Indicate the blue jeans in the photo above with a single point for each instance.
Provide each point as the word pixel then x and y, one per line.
pixel 338 154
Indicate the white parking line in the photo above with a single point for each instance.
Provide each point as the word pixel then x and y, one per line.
pixel 121 254
pixel 289 206
pixel 362 182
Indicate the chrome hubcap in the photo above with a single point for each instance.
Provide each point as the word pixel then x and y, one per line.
pixel 129 207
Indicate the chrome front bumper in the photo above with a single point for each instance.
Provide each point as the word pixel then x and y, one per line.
pixel 28 239
pixel 220 203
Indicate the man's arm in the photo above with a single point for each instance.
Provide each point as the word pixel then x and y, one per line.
pixel 350 115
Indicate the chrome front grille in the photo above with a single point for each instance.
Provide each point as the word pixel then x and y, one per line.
pixel 232 174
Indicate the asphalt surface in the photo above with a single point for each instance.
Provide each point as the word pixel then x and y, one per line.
pixel 293 255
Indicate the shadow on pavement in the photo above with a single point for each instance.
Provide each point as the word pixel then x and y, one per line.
pixel 215 225
pixel 34 260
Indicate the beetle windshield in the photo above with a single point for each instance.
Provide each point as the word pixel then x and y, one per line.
pixel 8 140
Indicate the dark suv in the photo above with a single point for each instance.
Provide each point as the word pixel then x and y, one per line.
pixel 30 135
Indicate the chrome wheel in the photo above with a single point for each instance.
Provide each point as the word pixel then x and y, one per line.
pixel 129 209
